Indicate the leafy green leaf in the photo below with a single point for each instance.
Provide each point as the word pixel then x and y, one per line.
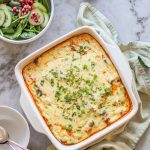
pixel 45 3
pixel 8 30
pixel 27 35
pixel 17 32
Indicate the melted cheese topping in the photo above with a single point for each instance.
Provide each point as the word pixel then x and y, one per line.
pixel 77 89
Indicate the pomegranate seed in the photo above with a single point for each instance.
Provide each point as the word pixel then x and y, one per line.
pixel 23 4
pixel 26 6
pixel 14 8
pixel 34 14
pixel 29 7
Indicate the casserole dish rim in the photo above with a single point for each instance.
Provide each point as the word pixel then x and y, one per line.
pixel 18 71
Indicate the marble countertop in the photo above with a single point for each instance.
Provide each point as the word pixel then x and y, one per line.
pixel 131 18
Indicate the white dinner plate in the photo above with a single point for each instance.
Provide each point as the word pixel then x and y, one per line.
pixel 16 126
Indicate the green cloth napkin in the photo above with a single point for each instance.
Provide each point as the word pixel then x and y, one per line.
pixel 138 56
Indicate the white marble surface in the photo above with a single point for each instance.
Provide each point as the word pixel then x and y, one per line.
pixel 131 18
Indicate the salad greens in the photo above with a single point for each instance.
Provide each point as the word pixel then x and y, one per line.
pixel 23 19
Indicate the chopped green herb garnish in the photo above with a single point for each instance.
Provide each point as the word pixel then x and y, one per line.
pixel 78 129
pixel 52 82
pixel 93 63
pixel 42 82
pixel 65 117
pixel 57 94
pixel 74 114
pixel 85 67
pixel 100 106
pixel 39 92
pixel 74 59
pixel 95 77
pixel 79 115
pixel 82 48
pixel 54 73
pixel 78 107
pixel 70 119
pixel 82 111
pixel 69 127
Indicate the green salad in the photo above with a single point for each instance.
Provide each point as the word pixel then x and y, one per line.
pixel 23 19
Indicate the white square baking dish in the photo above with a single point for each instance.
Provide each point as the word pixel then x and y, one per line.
pixel 34 115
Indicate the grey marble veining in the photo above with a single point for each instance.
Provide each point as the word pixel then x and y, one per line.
pixel 140 18
pixel 131 19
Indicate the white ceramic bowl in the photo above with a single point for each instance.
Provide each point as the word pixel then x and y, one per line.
pixel 16 126
pixel 38 35
pixel 34 115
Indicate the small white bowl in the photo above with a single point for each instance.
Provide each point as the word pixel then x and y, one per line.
pixel 16 126
pixel 38 35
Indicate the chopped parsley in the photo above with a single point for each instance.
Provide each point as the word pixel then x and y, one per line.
pixel 65 117
pixel 95 77
pixel 85 67
pixel 74 59
pixel 74 114
pixel 78 129
pixel 105 91
pixel 82 49
pixel 93 64
pixel 39 92
pixel 69 127
pixel 52 82
pixel 57 95
pixel 78 107
pixel 42 82
pixel 54 73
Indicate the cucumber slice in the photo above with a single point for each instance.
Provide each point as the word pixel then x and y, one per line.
pixel 46 18
pixel 39 16
pixel 8 17
pixel 27 35
pixel 2 17
pixel 39 6
pixel 9 8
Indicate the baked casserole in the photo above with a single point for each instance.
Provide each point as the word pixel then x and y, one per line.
pixel 77 89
